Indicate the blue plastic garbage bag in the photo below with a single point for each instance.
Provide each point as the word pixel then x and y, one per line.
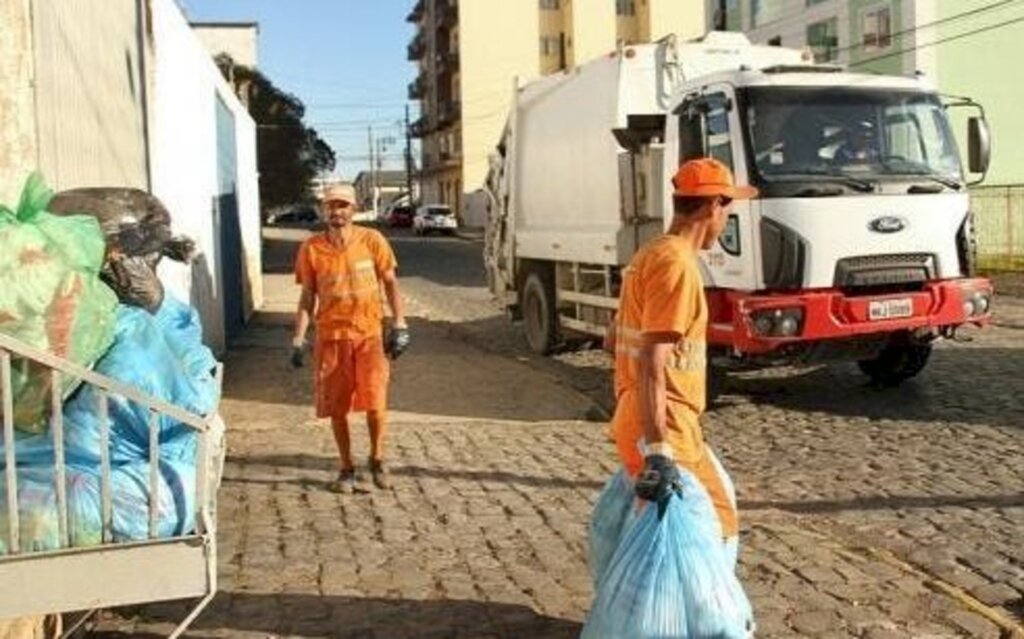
pixel 671 578
pixel 37 509
pixel 129 489
pixel 607 522
pixel 162 356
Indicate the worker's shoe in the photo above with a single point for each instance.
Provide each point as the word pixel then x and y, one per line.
pixel 380 474
pixel 345 483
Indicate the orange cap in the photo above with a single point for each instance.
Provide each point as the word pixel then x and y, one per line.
pixel 707 177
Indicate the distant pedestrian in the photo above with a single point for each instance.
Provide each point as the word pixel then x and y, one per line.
pixel 342 272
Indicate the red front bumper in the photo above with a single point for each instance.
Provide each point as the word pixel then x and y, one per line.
pixel 829 314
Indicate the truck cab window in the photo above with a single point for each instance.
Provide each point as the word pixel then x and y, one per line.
pixel 704 129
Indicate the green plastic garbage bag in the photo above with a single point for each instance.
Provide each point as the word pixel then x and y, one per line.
pixel 51 296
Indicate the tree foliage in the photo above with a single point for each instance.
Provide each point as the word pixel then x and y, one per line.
pixel 289 153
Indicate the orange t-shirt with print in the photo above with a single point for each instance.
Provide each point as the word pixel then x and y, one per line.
pixel 347 282
pixel 663 293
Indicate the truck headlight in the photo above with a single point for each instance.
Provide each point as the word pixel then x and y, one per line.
pixel 778 322
pixel 977 302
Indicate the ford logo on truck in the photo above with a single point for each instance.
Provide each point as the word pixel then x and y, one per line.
pixel 887 224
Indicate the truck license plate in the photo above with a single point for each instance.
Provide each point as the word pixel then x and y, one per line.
pixel 890 309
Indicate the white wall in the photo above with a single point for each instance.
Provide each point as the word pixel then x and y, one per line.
pixel 238 41
pixel 184 165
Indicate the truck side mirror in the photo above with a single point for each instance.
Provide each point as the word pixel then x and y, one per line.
pixel 979 145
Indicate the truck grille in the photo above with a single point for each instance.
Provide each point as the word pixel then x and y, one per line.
pixel 898 272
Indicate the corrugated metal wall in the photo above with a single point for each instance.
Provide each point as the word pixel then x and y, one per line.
pixel 89 93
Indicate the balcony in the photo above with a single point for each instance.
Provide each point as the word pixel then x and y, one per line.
pixel 447 61
pixel 419 128
pixel 417 47
pixel 418 88
pixel 447 13
pixel 449 112
pixel 417 12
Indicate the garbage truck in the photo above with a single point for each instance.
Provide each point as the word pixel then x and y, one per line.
pixel 859 246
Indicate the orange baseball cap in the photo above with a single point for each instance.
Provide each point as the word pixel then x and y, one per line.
pixel 707 177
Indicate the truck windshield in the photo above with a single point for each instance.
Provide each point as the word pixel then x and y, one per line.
pixel 849 136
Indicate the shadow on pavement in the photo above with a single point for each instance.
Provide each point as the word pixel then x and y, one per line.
pixel 438 376
pixel 330 464
pixel 889 502
pixel 356 618
pixel 971 385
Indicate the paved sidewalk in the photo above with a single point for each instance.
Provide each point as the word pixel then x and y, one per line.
pixel 495 473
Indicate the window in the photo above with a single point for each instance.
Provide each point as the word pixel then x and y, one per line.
pixel 877 28
pixel 823 39
pixel 811 3
pixel 704 129
pixel 625 7
pixel 775 42
pixel 548 45
pixel 764 11
pixel 549 5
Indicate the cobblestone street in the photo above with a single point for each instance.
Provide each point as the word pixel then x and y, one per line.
pixel 865 513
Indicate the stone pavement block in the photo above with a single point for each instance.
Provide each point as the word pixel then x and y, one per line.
pixel 975 625
pixel 998 595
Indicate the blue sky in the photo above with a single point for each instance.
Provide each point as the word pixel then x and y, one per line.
pixel 345 59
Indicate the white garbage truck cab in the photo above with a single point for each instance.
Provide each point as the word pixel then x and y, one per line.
pixel 858 246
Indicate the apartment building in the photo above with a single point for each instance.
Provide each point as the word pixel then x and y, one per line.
pixel 471 54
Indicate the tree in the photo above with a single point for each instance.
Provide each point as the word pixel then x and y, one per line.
pixel 289 153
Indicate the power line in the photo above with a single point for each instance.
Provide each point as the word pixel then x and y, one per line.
pixel 989 7
pixel 990 27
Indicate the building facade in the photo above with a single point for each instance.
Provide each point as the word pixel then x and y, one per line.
pixel 145 107
pixel 961 46
pixel 471 54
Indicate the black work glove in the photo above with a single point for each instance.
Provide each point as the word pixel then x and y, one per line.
pixel 658 481
pixel 298 358
pixel 397 342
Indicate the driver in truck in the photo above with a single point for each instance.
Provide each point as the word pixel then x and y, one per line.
pixel 860 145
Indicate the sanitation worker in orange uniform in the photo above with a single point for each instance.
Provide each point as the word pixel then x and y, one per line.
pixel 660 348
pixel 342 272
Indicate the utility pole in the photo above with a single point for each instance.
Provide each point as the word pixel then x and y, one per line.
pixel 408 156
pixel 373 174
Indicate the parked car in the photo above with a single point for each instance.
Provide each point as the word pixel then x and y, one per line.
pixel 399 215
pixel 434 218
pixel 368 216
pixel 298 215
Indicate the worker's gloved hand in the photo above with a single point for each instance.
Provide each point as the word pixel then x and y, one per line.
pixel 398 341
pixel 658 481
pixel 298 358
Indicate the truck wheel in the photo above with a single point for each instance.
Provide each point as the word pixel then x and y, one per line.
pixel 898 362
pixel 714 381
pixel 539 317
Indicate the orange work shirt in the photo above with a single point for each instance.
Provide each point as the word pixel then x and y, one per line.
pixel 347 281
pixel 662 292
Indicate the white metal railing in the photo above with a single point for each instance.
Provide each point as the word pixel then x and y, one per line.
pixel 59 369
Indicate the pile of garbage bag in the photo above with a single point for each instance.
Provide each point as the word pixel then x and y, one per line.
pixel 160 353
pixel 668 576
pixel 50 295
pixel 137 230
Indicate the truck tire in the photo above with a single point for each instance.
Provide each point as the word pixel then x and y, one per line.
pixel 714 381
pixel 899 361
pixel 540 322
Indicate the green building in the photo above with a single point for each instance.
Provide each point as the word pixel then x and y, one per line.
pixel 965 48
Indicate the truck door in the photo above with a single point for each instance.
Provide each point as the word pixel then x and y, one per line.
pixel 709 126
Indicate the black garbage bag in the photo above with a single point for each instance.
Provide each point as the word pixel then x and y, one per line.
pixel 137 228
